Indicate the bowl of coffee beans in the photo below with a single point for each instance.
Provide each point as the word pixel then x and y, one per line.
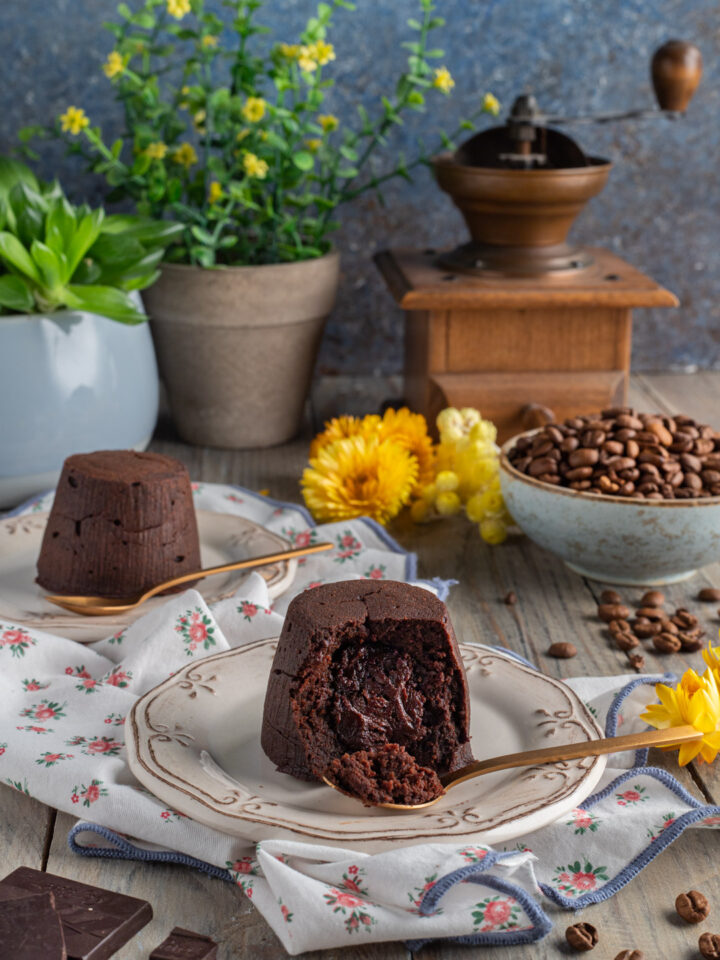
pixel 621 496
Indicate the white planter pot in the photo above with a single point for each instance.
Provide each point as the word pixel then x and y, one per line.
pixel 71 382
pixel 237 345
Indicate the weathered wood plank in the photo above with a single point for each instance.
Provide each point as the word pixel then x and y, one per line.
pixel 25 830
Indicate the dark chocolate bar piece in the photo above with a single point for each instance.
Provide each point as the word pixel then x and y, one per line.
pixel 30 929
pixel 95 922
pixel 185 945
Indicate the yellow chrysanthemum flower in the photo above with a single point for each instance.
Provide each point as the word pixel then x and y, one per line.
pixel 328 121
pixel 359 476
pixel 313 144
pixel 341 427
pixel 291 51
pixel 215 192
pixel 178 8
pixel 410 431
pixel 254 109
pixel 695 701
pixel 74 120
pixel 209 40
pixel 322 52
pixel 443 79
pixel 254 166
pixel 306 61
pixel 113 65
pixel 185 155
pixel 156 151
pixel 491 104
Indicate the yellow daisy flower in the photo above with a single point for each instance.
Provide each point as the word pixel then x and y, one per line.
pixel 113 65
pixel 359 476
pixel 410 431
pixel 209 40
pixel 443 79
pixel 215 192
pixel 341 427
pixel 185 154
pixel 156 150
pixel 322 52
pixel 254 109
pixel 491 104
pixel 328 122
pixel 254 166
pixel 291 51
pixel 178 8
pixel 695 701
pixel 74 120
pixel 313 144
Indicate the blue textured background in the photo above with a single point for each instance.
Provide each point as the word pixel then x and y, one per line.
pixel 660 210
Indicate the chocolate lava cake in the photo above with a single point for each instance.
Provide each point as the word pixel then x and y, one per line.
pixel 361 664
pixel 387 774
pixel 121 522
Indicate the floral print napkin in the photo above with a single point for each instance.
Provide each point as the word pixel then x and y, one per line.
pixel 61 741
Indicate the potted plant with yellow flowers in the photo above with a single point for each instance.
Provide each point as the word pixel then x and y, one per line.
pixel 254 167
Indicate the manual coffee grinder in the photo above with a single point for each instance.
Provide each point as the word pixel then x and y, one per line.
pixel 519 322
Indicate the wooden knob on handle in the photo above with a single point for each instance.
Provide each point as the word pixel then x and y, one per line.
pixel 676 68
pixel 535 415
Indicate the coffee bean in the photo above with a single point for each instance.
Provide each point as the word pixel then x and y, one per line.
pixel 692 906
pixel 646 629
pixel 653 598
pixel 709 946
pixel 650 613
pixel 689 643
pixel 667 643
pixel 584 457
pixel 612 596
pixel 542 465
pixel 625 641
pixel 613 611
pixel 637 662
pixel 709 595
pixel 579 473
pixel 562 650
pixel 510 598
pixel 583 936
pixel 619 626
pixel 630 955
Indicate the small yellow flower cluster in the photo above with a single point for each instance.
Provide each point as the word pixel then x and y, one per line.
pixel 367 467
pixel 291 51
pixel 467 475
pixel 74 120
pixel 491 104
pixel 328 122
pixel 315 54
pixel 114 64
pixel 178 8
pixel 255 167
pixel 199 118
pixel 185 154
pixel 313 144
pixel 156 151
pixel 215 192
pixel 443 79
pixel 254 109
pixel 694 701
pixel 209 41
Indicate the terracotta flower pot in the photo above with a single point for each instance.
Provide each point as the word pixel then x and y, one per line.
pixel 236 346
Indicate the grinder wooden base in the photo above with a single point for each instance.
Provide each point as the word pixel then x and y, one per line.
pixel 519 349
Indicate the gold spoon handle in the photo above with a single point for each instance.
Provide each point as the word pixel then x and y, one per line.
pixel 261 561
pixel 573 751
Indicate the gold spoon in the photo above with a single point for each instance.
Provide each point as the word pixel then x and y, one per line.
pixel 565 751
pixel 103 606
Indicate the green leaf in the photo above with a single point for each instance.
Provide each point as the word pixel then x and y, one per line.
pixel 53 269
pixel 86 234
pixel 116 249
pixel 124 10
pixel 203 236
pixel 303 160
pixel 348 172
pixel 104 301
pixel 349 153
pixel 16 256
pixel 59 225
pixel 15 294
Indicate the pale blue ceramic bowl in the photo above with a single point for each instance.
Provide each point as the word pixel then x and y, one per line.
pixel 70 382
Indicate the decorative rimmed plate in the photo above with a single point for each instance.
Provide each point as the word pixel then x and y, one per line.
pixel 194 741
pixel 223 538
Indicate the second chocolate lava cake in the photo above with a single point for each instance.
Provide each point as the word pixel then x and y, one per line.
pixel 361 664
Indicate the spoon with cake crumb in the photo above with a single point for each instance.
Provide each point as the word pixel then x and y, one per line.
pixel 390 777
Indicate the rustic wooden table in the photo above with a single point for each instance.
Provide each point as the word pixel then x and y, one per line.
pixel 553 604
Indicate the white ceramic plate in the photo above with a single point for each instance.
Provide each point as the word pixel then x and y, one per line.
pixel 194 741
pixel 223 538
